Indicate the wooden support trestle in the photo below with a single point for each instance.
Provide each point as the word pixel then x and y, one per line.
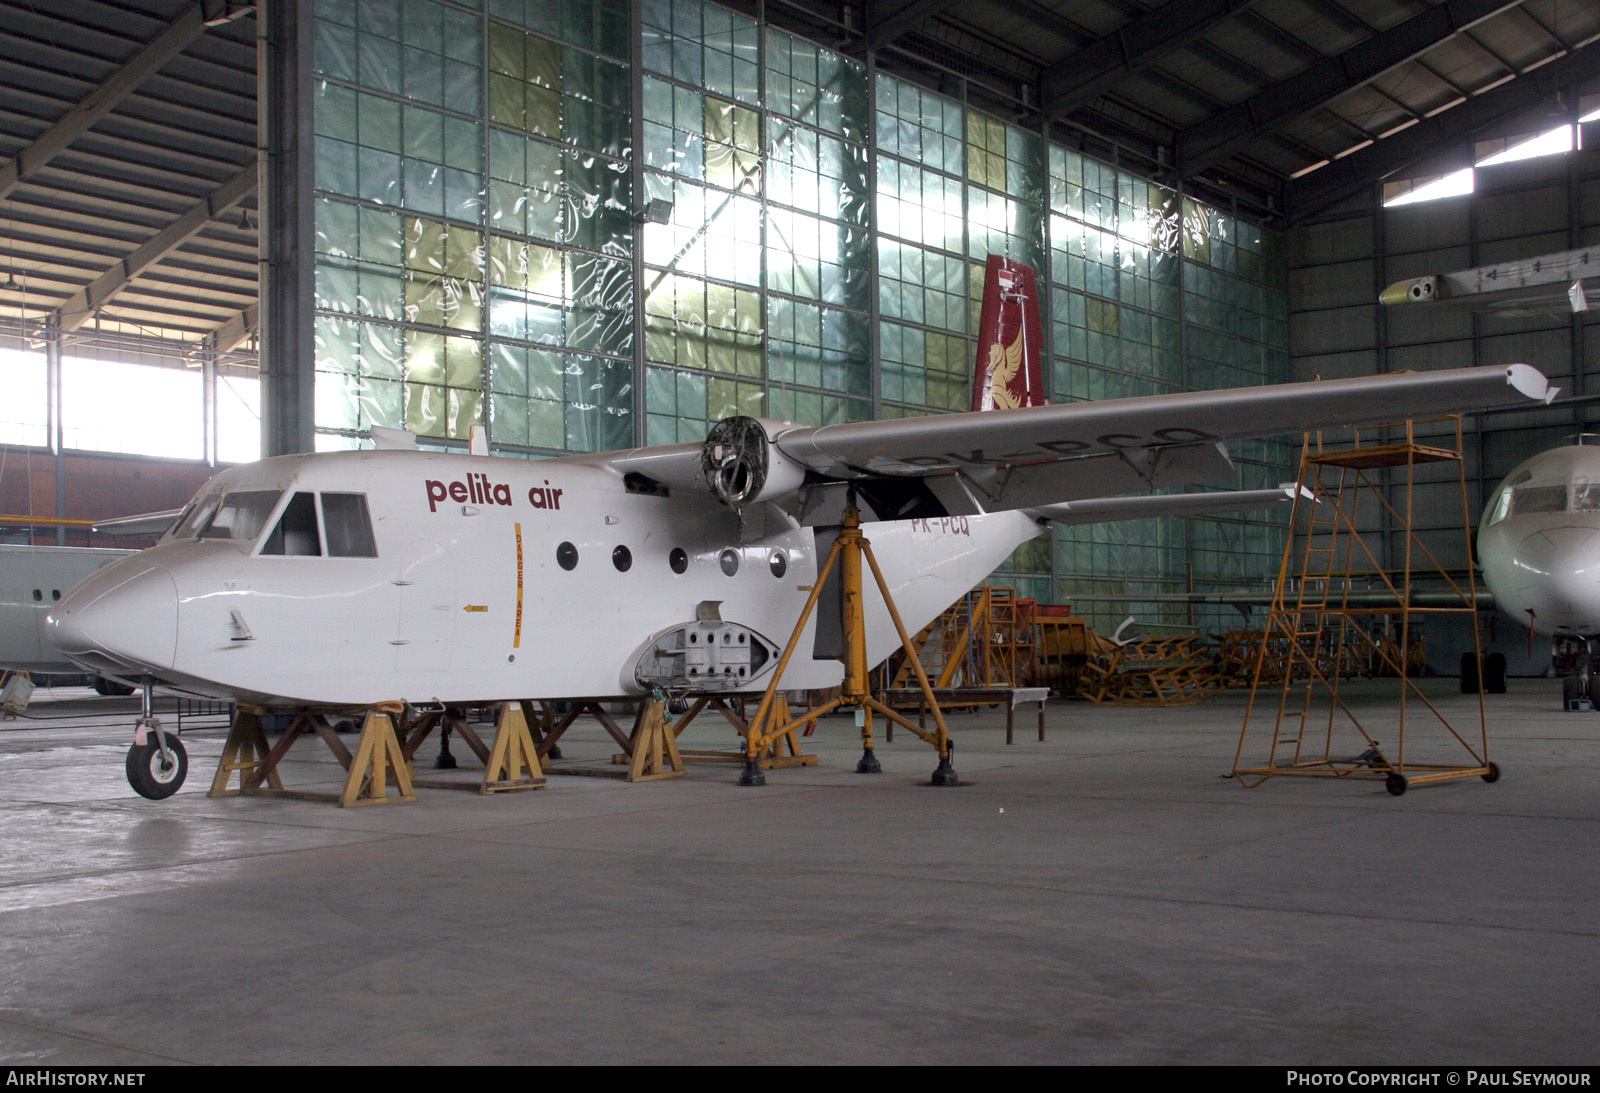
pixel 377 754
pixel 513 762
pixel 245 752
pixel 367 771
pixel 654 745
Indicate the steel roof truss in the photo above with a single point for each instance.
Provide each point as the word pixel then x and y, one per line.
pixel 77 310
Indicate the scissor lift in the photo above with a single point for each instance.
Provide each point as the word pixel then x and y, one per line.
pixel 1317 733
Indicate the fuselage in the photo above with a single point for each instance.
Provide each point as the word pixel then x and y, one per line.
pixel 352 578
pixel 1539 542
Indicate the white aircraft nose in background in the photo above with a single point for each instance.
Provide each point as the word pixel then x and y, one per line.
pixel 1540 542
pixel 1554 571
pixel 125 615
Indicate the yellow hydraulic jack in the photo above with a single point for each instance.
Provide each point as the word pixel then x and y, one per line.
pixel 848 551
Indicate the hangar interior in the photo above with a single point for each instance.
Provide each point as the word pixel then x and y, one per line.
pixel 234 229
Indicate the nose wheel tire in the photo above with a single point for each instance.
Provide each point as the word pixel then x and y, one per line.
pixel 152 774
pixel 1396 784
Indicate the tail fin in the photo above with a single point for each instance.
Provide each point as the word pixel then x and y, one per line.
pixel 1009 372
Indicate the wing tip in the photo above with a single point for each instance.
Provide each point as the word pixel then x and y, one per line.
pixel 1529 381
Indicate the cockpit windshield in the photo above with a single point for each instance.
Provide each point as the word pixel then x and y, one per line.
pixel 1527 500
pixel 193 518
pixel 241 515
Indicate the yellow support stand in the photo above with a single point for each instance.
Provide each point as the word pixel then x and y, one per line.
pixel 850 550
pixel 377 754
pixel 514 751
pixel 245 752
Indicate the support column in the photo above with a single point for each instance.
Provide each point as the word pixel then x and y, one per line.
pixel 52 371
pixel 288 243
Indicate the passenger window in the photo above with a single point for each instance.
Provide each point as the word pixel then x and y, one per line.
pixel 349 528
pixel 296 533
pixel 241 515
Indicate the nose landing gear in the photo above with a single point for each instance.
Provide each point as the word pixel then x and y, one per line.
pixel 157 762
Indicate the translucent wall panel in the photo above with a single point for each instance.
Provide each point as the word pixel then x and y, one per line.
pixel 704 46
pixel 1148 297
pixel 758 287
pixel 600 25
pixel 476 249
pixel 454 241
pixel 816 86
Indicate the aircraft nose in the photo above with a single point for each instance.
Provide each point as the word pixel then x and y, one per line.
pixel 1559 569
pixel 132 622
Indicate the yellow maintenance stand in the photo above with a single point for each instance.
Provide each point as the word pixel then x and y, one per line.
pixel 849 551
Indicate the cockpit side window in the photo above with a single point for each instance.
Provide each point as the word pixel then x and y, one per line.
pixel 296 533
pixel 241 515
pixel 349 528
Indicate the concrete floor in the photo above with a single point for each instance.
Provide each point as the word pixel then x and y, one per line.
pixel 1107 896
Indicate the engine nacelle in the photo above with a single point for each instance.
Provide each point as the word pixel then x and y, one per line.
pixel 741 464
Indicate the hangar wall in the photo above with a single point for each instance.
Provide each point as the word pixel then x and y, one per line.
pixel 1338 265
pixel 594 225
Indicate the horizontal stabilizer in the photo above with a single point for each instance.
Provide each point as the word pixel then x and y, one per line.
pixel 1104 509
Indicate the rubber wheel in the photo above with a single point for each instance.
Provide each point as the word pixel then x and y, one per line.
pixel 1469 673
pixel 1494 674
pixel 1494 773
pixel 110 687
pixel 1396 784
pixel 151 775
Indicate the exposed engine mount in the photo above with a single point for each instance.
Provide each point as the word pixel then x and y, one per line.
pixel 742 466
pixel 709 655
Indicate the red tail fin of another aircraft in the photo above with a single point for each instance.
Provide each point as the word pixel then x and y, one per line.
pixel 1009 370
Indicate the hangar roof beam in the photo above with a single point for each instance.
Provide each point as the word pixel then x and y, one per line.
pixel 1348 176
pixel 82 304
pixel 1230 130
pixel 102 100
pixel 1086 75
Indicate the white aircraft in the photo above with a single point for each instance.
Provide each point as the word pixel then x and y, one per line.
pixel 351 578
pixel 1567 281
pixel 1539 545
pixel 345 579
pixel 32 580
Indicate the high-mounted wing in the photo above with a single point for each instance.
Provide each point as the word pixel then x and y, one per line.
pixel 964 464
